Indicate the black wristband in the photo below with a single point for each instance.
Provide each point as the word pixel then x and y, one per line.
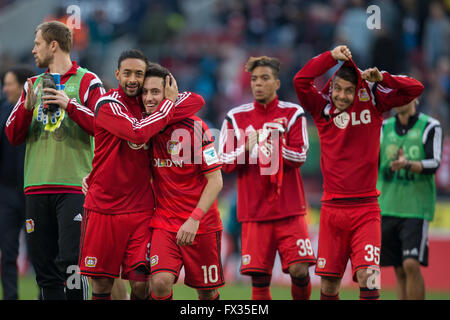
pixel 408 165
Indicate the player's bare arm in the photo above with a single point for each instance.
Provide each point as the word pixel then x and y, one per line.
pixel 341 53
pixel 186 233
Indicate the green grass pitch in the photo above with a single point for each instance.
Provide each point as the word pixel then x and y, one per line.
pixel 237 291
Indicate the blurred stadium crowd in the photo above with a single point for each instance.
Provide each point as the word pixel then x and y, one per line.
pixel 205 43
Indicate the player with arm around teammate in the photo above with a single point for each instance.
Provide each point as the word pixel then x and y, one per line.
pixel 119 202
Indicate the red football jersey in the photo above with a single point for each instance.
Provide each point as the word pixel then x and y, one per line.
pixel 120 177
pixel 350 140
pixel 255 188
pixel 181 155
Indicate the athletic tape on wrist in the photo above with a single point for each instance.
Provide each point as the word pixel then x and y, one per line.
pixel 197 214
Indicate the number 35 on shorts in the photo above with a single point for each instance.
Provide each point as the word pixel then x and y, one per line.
pixel 372 254
pixel 305 247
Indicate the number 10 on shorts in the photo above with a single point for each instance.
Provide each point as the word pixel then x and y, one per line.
pixel 210 274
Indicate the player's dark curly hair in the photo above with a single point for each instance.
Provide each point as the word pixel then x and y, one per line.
pixel 264 61
pixel 348 73
pixel 156 70
pixel 132 54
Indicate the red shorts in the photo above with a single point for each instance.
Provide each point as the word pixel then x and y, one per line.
pixel 111 241
pixel 348 232
pixel 261 240
pixel 201 260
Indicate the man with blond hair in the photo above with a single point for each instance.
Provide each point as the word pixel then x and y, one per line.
pixel 59 154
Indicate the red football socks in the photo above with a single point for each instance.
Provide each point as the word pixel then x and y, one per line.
pixel 101 296
pixel 168 297
pixel 324 296
pixel 261 287
pixel 369 294
pixel 301 288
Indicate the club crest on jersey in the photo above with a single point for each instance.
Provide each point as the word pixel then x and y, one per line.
pixel 391 152
pixel 71 89
pixel 342 120
pixel 29 224
pixel 154 260
pixel 173 147
pixel 363 95
pixel 90 262
pixel 321 263
pixel 136 146
pixel 246 259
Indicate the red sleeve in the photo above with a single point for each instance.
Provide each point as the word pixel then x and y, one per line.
pixel 207 152
pixel 310 98
pixel 81 115
pixel 295 146
pixel 19 120
pixel 91 89
pixel 396 91
pixel 187 104
pixel 231 147
pixel 114 117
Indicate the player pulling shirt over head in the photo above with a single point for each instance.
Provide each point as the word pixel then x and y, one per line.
pixel 348 116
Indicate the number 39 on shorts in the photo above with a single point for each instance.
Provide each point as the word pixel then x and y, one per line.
pixel 372 254
pixel 305 247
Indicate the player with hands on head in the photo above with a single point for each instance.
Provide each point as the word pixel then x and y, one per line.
pixel 348 115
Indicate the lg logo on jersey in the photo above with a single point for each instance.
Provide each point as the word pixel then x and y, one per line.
pixel 342 120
